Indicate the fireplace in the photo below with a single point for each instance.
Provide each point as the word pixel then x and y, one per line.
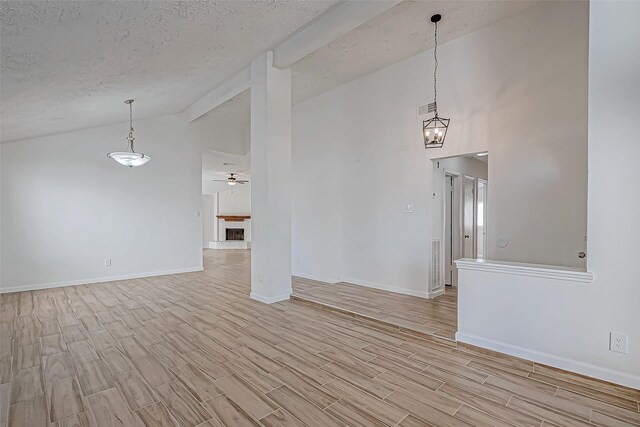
pixel 235 234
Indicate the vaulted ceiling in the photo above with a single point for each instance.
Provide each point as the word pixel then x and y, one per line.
pixel 401 32
pixel 69 65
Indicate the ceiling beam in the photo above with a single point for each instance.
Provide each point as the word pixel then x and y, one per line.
pixel 329 26
pixel 220 94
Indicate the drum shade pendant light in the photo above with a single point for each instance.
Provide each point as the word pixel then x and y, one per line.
pixel 434 130
pixel 130 157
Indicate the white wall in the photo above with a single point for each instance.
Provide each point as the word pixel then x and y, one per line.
pixel 221 133
pixel 209 186
pixel 317 205
pixel 567 324
pixel 614 226
pixel 209 220
pixel 66 206
pixel 517 88
pixel 1 213
pixel 235 200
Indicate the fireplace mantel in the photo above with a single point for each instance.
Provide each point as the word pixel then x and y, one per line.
pixel 233 218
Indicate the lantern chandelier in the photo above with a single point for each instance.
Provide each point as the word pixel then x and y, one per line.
pixel 434 130
pixel 130 157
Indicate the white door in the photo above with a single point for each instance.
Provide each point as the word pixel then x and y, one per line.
pixel 448 230
pixel 468 217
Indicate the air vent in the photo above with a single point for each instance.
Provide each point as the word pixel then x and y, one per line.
pixel 429 108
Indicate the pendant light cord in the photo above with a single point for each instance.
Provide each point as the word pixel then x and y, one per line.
pixel 131 116
pixel 131 138
pixel 435 71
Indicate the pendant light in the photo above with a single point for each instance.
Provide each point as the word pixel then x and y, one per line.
pixel 434 130
pixel 130 157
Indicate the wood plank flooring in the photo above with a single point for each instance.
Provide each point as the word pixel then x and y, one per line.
pixel 436 317
pixel 193 350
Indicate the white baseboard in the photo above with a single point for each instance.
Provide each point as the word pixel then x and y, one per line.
pixel 34 287
pixel 436 293
pixel 606 374
pixel 317 278
pixel 383 287
pixel 270 300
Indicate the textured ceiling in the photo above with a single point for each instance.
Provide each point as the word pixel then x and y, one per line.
pixel 399 33
pixel 70 64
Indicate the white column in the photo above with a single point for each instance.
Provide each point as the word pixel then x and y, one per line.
pixel 270 181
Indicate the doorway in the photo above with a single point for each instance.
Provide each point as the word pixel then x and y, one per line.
pixel 462 205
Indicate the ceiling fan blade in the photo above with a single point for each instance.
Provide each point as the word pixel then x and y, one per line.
pixel 221 180
pixel 242 181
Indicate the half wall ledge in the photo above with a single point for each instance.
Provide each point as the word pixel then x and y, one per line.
pixel 523 269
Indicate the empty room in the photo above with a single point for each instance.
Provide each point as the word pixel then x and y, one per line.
pixel 319 213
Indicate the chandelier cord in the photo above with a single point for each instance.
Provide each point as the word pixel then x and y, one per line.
pixel 435 71
pixel 131 138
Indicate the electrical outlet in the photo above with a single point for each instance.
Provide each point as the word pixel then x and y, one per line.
pixel 407 208
pixel 107 262
pixel 618 342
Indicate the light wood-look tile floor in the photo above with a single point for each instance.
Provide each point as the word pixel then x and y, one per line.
pixel 192 349
pixel 437 317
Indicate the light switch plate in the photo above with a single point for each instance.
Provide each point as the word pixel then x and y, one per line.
pixel 407 208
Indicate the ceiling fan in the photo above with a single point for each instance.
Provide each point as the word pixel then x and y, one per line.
pixel 232 180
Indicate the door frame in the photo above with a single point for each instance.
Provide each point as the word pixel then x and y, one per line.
pixel 484 216
pixel 456 222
